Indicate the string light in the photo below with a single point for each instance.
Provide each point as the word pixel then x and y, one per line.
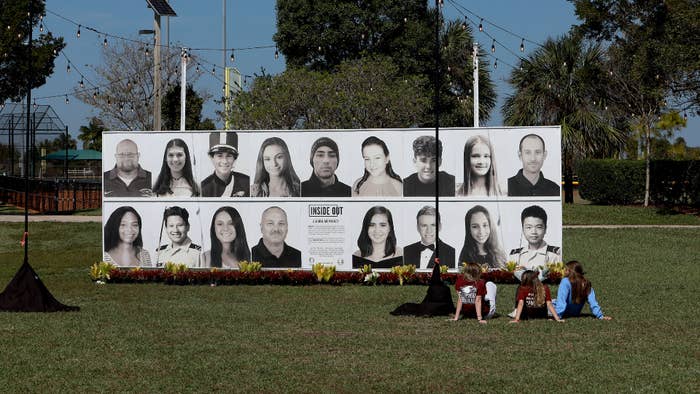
pixel 146 50
pixel 68 68
pixel 197 69
pixel 233 57
pixel 67 101
pixel 82 85
pixel 495 64
pixel 213 71
pixel 35 105
pixel 277 53
pixel 522 45
pixel 41 27
pixel 104 43
pixel 481 25
pixel 78 34
pixel 493 46
pixel 95 93
pixel 685 116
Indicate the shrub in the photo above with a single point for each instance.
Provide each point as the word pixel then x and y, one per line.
pixel 672 182
pixel 612 181
pixel 675 182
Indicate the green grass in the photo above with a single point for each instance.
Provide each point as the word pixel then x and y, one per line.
pixel 630 215
pixel 148 338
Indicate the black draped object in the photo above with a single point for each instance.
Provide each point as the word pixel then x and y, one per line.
pixel 437 301
pixel 27 293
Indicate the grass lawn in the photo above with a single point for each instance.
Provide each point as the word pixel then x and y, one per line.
pixel 148 338
pixel 615 214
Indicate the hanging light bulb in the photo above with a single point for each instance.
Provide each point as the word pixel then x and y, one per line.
pixel 68 68
pixel 481 24
pixel 464 25
pixel 147 50
pixel 67 101
pixel 41 27
pixel 522 45
pixel 213 70
pixel 109 102
pixel 35 105
pixel 55 52
pixel 232 57
pixel 94 94
pixel 277 53
pixel 104 42
pixel 78 34
pixel 493 46
pixel 495 64
pixel 2 105
pixel 685 116
pixel 82 85
pixel 197 68
pixel 128 84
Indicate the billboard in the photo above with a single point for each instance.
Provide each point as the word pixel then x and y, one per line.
pixel 290 199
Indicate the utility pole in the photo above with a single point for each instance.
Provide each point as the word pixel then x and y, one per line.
pixel 475 89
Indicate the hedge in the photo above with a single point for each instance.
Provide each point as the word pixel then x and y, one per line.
pixel 608 181
pixel 611 181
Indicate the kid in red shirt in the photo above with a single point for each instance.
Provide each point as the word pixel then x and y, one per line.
pixel 476 298
pixel 534 299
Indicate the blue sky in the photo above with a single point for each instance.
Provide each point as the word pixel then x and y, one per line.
pixel 252 23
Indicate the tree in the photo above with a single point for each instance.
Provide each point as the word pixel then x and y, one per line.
pixel 359 94
pixel 401 30
pixel 563 83
pixel 14 70
pixel 659 39
pixel 61 142
pixel 91 135
pixel 124 98
pixel 193 110
pixel 322 34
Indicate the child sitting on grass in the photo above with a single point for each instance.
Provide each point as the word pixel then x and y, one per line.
pixel 476 298
pixel 534 299
pixel 574 291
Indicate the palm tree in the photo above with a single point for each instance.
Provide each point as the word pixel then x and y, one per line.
pixel 564 83
pixel 457 100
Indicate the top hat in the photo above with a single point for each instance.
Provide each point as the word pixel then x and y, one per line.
pixel 223 142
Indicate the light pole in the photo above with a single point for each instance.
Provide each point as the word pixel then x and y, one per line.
pixel 160 8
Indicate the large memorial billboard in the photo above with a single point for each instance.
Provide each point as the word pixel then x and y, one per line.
pixel 290 199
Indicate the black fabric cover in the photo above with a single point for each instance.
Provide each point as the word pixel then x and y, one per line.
pixel 27 293
pixel 437 301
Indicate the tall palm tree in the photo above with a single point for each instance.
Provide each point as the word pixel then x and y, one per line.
pixel 564 83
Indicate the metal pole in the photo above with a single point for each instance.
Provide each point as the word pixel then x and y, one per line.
pixel 156 75
pixel 475 63
pixel 436 104
pixel 65 163
pixel 12 144
pixel 183 88
pixel 25 236
pixel 223 13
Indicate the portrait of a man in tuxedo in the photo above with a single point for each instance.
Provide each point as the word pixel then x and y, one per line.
pixel 422 253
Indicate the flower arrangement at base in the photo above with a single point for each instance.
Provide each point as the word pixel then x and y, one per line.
pixel 252 266
pixel 101 272
pixel 403 272
pixel 323 272
pixel 400 275
pixel 369 277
